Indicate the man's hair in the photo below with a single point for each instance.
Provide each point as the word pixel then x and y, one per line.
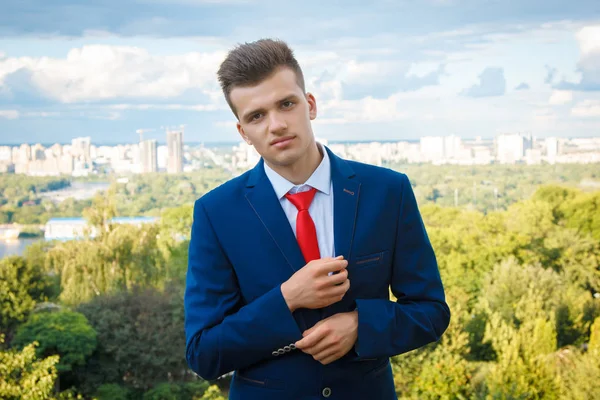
pixel 249 64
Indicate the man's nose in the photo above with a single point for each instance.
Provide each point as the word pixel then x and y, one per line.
pixel 277 123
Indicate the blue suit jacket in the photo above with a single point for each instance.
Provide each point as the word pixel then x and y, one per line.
pixel 242 249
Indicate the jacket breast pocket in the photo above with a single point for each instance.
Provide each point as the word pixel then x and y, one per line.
pixel 370 275
pixel 370 260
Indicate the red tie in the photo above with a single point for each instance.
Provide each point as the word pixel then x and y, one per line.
pixel 306 234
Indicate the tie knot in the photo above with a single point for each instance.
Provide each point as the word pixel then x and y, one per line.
pixel 302 200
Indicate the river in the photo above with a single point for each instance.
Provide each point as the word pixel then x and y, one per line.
pixel 77 190
pixel 15 247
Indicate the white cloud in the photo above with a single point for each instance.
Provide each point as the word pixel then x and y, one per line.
pixel 544 115
pixel 42 114
pixel 111 116
pixel 9 114
pixel 589 39
pixel 367 109
pixel 423 69
pixel 196 107
pixel 491 83
pixel 225 124
pixel 586 108
pixel 197 2
pixel 102 72
pixel 588 67
pixel 560 97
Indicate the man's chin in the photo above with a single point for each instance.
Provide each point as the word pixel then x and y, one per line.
pixel 283 160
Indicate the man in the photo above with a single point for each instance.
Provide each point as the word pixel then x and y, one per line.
pixel 290 264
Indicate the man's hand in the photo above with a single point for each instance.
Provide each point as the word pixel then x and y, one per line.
pixel 332 338
pixel 313 286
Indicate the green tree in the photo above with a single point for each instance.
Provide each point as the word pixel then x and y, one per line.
pixel 25 377
pixel 102 211
pixel 112 391
pixel 446 373
pixel 523 369
pixel 583 213
pixel 580 371
pixel 212 393
pixel 164 391
pixel 64 333
pixel 140 339
pixel 22 285
pixel 117 260
pixel 175 225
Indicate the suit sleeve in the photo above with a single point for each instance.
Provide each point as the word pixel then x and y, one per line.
pixel 222 333
pixel 420 315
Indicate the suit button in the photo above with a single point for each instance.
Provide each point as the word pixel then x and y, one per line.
pixel 275 353
pixel 287 348
pixel 326 392
pixel 281 351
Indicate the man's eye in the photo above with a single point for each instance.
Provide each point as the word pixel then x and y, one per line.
pixel 287 104
pixel 255 117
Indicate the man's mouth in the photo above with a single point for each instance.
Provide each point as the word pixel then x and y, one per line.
pixel 282 142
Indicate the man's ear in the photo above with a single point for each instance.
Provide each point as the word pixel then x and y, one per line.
pixel 242 134
pixel 312 105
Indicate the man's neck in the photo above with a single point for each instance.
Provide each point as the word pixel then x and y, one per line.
pixel 299 172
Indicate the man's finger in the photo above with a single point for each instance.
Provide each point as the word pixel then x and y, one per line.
pixel 311 330
pixel 312 339
pixel 331 359
pixel 325 353
pixel 324 347
pixel 338 278
pixel 335 265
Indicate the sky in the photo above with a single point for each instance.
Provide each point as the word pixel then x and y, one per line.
pixel 380 70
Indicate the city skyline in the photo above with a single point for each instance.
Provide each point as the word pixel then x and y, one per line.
pixel 387 71
pixel 84 158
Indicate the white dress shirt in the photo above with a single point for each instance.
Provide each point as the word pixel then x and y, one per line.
pixel 321 208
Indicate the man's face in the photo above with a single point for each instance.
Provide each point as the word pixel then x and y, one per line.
pixel 274 116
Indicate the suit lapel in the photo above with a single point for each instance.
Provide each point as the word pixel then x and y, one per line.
pixel 346 191
pixel 264 202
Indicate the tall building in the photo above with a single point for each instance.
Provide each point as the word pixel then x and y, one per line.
pixel 175 147
pixel 432 148
pixel 6 153
pixel 37 152
pixel 440 149
pixel 80 147
pixel 6 164
pixel 452 146
pixel 57 150
pixel 511 147
pixel 24 154
pixel 551 149
pixel 162 153
pixel 148 160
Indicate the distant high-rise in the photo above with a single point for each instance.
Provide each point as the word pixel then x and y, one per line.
pixel 80 147
pixel 24 154
pixel 432 148
pixel 148 159
pixel 551 149
pixel 511 148
pixel 452 146
pixel 37 152
pixel 439 148
pixel 6 153
pixel 162 154
pixel 175 148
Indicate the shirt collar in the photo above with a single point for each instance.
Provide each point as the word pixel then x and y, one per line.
pixel 320 178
